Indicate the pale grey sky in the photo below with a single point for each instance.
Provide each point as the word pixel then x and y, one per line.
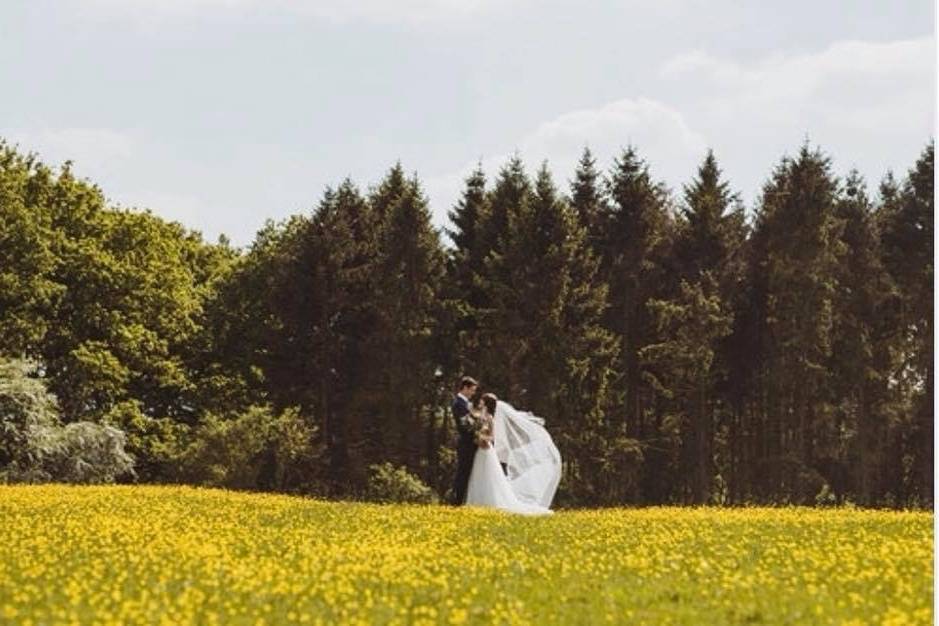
pixel 223 113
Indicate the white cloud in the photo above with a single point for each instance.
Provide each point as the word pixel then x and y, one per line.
pixel 844 76
pixel 97 148
pixel 186 209
pixel 870 104
pixel 109 158
pixel 659 132
pixel 409 11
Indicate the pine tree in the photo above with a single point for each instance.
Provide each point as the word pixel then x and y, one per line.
pixel 323 306
pixel 544 324
pixel 689 363
pixel 507 201
pixel 797 262
pixel 714 226
pixel 468 215
pixel 908 255
pixel 409 273
pixel 861 354
pixel 895 478
pixel 683 369
pixel 588 198
pixel 464 297
pixel 498 325
pixel 386 193
pixel 632 252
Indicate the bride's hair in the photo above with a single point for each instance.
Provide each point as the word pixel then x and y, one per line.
pixel 490 399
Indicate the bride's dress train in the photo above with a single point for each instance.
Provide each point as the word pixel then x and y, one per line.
pixel 488 486
pixel 532 460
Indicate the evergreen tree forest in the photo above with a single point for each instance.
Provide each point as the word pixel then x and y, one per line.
pixel 683 348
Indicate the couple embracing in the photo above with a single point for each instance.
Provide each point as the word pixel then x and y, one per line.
pixel 505 457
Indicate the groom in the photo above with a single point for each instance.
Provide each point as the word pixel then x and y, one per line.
pixel 466 441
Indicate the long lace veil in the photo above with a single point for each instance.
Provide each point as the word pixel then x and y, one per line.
pixel 533 461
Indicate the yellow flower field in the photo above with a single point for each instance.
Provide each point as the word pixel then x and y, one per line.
pixel 177 555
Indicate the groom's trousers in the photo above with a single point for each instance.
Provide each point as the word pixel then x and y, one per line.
pixel 465 453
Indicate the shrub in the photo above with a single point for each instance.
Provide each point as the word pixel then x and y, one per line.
pixel 34 447
pixel 83 452
pixel 26 407
pixel 391 484
pixel 155 443
pixel 825 497
pixel 252 450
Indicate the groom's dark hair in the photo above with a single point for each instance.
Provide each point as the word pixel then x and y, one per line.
pixel 468 381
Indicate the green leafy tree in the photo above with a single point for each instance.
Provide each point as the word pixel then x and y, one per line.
pixel 256 449
pixel 27 291
pixel 129 307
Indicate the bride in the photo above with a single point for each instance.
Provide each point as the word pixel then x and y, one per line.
pixel 518 441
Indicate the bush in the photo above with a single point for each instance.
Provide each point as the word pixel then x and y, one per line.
pixel 26 409
pixel 391 484
pixel 34 447
pixel 256 449
pixel 825 497
pixel 155 443
pixel 82 452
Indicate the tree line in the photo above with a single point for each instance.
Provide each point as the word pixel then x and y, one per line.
pixel 681 349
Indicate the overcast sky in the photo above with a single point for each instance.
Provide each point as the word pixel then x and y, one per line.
pixel 223 113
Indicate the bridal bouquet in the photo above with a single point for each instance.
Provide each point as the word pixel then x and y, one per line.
pixel 482 429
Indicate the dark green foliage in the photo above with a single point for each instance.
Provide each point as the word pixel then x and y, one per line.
pixel 797 263
pixel 684 370
pixel 633 247
pixel 544 345
pixel 588 199
pixel 463 294
pixel 689 364
pixel 678 352
pixel 408 278
pixel 907 239
pixel 862 359
pixel 156 443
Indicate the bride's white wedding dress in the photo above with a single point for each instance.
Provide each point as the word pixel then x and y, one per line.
pixel 532 460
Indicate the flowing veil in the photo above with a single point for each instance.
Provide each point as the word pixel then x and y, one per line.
pixel 532 459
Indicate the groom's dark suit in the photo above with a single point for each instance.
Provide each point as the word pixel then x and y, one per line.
pixel 465 448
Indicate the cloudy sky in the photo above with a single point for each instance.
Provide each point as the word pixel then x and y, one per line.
pixel 223 113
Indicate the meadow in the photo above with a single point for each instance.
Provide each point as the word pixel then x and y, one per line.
pixel 176 555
